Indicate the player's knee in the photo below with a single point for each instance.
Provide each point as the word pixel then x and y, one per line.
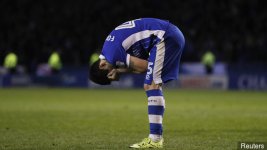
pixel 152 86
pixel 146 87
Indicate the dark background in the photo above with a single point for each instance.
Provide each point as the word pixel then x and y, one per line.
pixel 235 30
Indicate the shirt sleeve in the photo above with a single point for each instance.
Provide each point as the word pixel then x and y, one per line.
pixel 113 53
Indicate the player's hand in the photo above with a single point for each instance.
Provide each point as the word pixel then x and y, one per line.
pixel 113 75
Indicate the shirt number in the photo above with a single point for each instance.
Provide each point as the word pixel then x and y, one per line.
pixel 149 70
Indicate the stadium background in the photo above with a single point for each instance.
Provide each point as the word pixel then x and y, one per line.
pixel 233 30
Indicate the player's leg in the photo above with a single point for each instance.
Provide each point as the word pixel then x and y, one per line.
pixel 156 101
pixel 156 107
pixel 152 86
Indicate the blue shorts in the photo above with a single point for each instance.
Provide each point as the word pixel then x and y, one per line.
pixel 164 58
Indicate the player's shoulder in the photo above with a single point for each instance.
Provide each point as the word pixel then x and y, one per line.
pixel 130 27
pixel 140 24
pixel 155 24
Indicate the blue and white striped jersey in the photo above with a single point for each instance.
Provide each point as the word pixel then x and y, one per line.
pixel 136 38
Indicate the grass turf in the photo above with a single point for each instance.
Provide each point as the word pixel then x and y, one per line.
pixel 114 119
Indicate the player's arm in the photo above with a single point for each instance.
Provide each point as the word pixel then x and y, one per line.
pixel 136 65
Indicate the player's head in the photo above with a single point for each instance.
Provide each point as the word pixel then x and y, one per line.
pixel 99 71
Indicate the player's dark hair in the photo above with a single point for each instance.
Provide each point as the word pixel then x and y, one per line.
pixel 98 75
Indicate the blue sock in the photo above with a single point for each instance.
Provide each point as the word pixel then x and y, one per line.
pixel 156 107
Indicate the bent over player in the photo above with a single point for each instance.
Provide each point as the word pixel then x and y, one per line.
pixel 143 45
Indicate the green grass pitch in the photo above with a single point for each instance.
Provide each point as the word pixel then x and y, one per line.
pixel 88 119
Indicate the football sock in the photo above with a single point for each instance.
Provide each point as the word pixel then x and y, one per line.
pixel 156 106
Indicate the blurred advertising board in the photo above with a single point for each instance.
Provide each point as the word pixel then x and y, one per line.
pixel 67 77
pixel 247 77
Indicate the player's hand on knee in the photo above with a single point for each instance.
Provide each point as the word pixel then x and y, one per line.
pixel 113 75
